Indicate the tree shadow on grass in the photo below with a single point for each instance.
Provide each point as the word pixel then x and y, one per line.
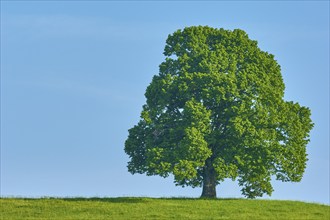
pixel 199 198
pixel 125 199
pixel 143 199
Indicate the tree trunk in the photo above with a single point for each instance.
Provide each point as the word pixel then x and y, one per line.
pixel 209 181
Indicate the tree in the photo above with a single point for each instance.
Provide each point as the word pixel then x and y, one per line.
pixel 216 111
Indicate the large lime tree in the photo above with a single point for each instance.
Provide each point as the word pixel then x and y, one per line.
pixel 216 111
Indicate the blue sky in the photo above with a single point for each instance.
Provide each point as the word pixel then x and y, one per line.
pixel 73 77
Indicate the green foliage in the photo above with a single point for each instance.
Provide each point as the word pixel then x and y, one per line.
pixel 218 97
pixel 147 208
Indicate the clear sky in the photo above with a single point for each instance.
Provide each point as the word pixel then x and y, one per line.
pixel 73 77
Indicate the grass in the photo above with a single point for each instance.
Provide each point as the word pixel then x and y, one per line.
pixel 150 208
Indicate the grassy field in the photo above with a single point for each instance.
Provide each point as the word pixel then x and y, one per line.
pixel 148 208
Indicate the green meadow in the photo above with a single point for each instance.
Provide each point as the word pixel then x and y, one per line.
pixel 158 208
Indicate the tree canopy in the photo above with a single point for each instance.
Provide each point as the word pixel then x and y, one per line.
pixel 216 111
